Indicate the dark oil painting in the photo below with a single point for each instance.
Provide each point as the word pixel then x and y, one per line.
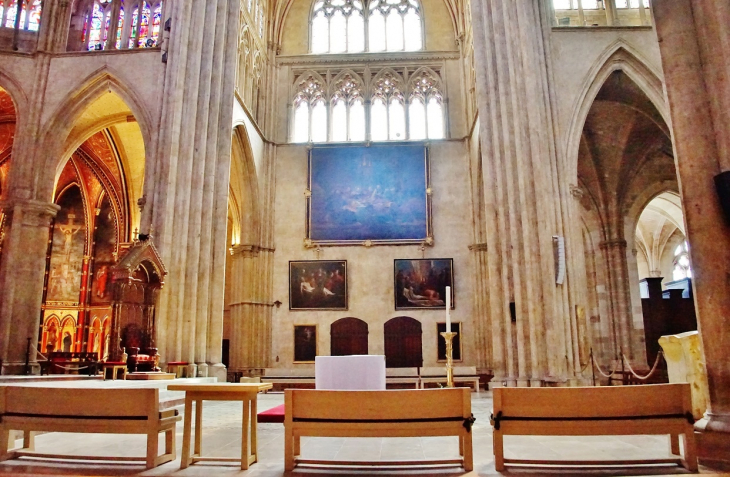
pixel 318 285
pixel 422 283
pixel 305 343
pixel 375 193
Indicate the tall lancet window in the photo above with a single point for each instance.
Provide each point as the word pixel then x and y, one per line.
pixel 30 14
pixel 425 109
pixel 395 25
pixel 338 26
pixel 310 109
pixel 348 108
pixel 387 108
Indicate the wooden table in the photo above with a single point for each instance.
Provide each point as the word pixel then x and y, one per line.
pixel 245 392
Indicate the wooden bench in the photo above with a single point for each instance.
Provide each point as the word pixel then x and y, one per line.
pixel 402 376
pixel 396 413
pixel 108 411
pixel 462 374
pixel 288 376
pixel 624 410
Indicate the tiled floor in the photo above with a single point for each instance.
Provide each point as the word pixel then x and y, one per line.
pixel 222 437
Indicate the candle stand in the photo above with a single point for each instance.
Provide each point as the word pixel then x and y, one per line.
pixel 449 338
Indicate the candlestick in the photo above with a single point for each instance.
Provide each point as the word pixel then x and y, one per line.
pixel 448 309
pixel 449 338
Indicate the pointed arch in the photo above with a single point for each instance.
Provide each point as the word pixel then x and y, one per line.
pixel 619 56
pixel 60 126
pixel 245 189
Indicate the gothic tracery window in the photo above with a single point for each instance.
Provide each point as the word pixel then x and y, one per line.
pixel 138 25
pixel 30 14
pixel 349 26
pixel 310 110
pixel 348 108
pixel 387 108
pixel 681 267
pixel 425 110
pixel 392 109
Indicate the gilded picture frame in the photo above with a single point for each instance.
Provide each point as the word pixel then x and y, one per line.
pixel 369 195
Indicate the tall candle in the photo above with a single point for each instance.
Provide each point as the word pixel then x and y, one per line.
pixel 448 308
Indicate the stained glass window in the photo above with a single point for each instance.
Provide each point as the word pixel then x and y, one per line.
pixel 144 29
pixel 96 42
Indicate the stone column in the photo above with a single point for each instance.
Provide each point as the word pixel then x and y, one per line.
pixel 54 29
pixel 250 348
pixel 21 279
pixel 694 44
pixel 189 202
pixel 524 199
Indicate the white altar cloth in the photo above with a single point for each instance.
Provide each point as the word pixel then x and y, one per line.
pixel 356 373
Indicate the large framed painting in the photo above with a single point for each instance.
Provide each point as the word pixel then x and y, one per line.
pixel 305 343
pixel 318 285
pixel 421 283
pixel 455 343
pixel 378 194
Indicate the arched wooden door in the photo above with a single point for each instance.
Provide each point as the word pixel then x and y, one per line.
pixel 403 343
pixel 348 336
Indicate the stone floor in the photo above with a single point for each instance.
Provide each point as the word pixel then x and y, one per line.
pixel 222 437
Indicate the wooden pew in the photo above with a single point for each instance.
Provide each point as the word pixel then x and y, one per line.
pixel 396 413
pixel 622 410
pixel 402 376
pixel 108 411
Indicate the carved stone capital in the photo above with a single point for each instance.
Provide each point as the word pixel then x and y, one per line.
pixel 244 251
pixel 35 213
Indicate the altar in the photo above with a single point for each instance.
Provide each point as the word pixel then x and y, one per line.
pixel 353 373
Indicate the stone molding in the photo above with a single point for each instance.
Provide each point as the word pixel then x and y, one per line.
pixel 370 58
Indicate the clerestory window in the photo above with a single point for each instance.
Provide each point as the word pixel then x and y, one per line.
pixel 30 14
pixel 393 109
pixel 354 26
pixel 681 263
pixel 138 24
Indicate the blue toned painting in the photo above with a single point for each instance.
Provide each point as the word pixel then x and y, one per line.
pixel 368 193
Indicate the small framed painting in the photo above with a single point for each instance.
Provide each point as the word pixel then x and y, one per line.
pixel 305 343
pixel 318 285
pixel 441 342
pixel 422 283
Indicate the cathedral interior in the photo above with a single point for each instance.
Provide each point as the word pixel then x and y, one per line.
pixel 243 185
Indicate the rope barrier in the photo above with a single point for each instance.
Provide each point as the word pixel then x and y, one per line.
pixel 601 371
pixel 67 368
pixel 653 368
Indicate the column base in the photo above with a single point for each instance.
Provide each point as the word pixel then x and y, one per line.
pixel 218 371
pixel 19 369
pixel 202 371
pixel 713 439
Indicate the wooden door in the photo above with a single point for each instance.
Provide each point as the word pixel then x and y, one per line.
pixel 348 336
pixel 403 343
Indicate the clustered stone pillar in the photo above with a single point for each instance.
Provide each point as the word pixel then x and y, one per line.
pixel 695 44
pixel 524 201
pixel 189 207
pixel 21 280
pixel 250 349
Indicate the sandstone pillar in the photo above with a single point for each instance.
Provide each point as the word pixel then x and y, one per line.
pixel 250 348
pixel 695 43
pixel 524 200
pixel 21 280
pixel 189 203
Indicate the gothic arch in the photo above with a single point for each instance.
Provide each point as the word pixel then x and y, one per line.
pixel 56 140
pixel 17 94
pixel 244 188
pixel 617 57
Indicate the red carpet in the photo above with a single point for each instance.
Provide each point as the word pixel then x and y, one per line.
pixel 275 414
